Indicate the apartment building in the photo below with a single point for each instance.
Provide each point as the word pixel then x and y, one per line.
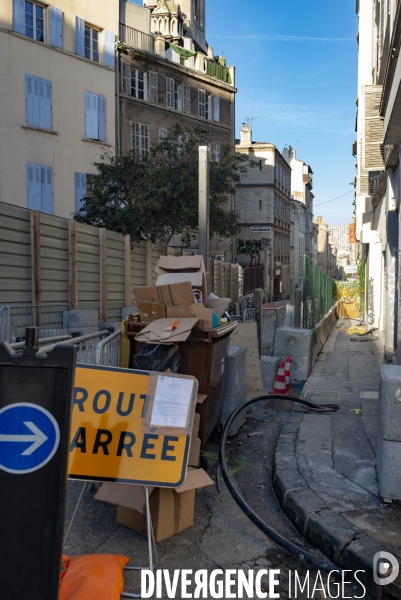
pixel 326 252
pixel 263 203
pixel 57 99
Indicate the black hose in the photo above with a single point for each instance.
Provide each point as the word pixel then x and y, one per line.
pixel 256 520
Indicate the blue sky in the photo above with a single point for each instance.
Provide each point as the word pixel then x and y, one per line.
pixel 296 69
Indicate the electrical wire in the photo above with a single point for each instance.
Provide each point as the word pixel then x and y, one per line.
pixel 256 520
pixel 327 201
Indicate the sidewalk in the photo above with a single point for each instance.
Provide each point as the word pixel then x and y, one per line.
pixel 325 464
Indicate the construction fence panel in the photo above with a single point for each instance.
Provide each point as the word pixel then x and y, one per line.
pixel 115 269
pixel 15 255
pixel 317 294
pixel 54 259
pixel 138 265
pixel 88 267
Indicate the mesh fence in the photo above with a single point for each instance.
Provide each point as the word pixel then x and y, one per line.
pixel 286 326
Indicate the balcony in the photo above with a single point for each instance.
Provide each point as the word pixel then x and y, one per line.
pixel 213 69
pixel 136 39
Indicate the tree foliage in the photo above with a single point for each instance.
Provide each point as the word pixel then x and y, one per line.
pixel 155 196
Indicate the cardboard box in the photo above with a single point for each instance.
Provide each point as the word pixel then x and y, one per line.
pixel 165 295
pixel 179 269
pixel 149 293
pixel 172 510
pixel 161 332
pixel 195 448
pixel 150 312
pixel 181 294
pixel 218 305
pixel 196 310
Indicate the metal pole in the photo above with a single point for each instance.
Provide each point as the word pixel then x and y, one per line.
pixel 203 217
pixel 272 266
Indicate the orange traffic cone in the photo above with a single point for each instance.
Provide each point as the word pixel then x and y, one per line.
pixel 279 385
pixel 287 372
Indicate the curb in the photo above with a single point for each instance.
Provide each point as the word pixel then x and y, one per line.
pixel 344 544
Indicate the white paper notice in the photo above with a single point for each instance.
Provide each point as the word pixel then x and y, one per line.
pixel 172 402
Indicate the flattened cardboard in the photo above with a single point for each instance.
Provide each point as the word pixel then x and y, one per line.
pixel 180 263
pixel 196 279
pixel 131 496
pixel 219 305
pixel 195 479
pixel 153 333
pixel 149 293
pixel 196 310
pixel 165 295
pixel 201 398
pixel 181 294
pixel 150 311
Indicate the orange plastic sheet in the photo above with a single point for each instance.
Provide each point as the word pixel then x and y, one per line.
pixel 92 577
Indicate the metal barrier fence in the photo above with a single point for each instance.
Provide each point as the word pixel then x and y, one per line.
pixel 99 348
pixel 42 341
pixel 108 350
pixel 52 320
pixel 318 296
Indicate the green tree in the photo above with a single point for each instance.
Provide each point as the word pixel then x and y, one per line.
pixel 155 195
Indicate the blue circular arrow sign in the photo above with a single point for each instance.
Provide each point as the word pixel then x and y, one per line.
pixel 29 437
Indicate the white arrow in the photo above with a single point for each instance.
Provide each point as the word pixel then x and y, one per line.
pixel 38 438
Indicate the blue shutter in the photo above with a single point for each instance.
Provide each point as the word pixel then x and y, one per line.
pixel 101 115
pixel 109 39
pixel 48 104
pixel 29 100
pixel 56 27
pixel 42 105
pixel 36 103
pixel 88 115
pixel 79 36
pixel 80 190
pixel 34 194
pixel 19 16
pixel 46 174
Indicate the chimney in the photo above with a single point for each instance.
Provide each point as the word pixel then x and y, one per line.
pixel 319 220
pixel 245 135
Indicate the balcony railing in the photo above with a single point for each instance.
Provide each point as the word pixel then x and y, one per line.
pixel 136 39
pixel 213 69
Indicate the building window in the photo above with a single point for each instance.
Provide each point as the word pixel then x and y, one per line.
pixel 95 117
pixel 40 188
pixel 163 133
pixel 203 104
pixel 133 81
pixel 35 21
pixel 172 94
pixel 92 43
pixel 140 138
pixel 186 105
pixel 153 86
pixel 82 188
pixel 38 100
pixel 216 109
pixel 214 148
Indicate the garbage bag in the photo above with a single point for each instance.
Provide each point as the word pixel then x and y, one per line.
pixel 94 576
pixel 158 357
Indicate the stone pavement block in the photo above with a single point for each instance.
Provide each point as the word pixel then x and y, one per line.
pixel 389 468
pixel 330 533
pixel 283 463
pixel 389 404
pixel 287 480
pixel 382 524
pixel 301 503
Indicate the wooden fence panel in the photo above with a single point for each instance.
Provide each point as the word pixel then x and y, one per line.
pixel 115 267
pixel 54 259
pixel 15 255
pixel 88 267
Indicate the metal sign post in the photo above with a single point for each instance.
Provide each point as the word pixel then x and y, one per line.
pixel 35 409
pixel 204 188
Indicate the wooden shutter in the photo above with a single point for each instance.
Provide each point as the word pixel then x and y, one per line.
pixel 79 36
pixel 34 194
pixel 144 139
pixel 153 86
pixel 48 105
pixel 56 27
pixel 29 100
pixel 136 144
pixel 46 175
pixel 216 108
pixel 101 115
pixel 19 16
pixel 90 119
pixel 217 151
pixel 125 78
pixel 162 133
pixel 36 102
pixel 169 92
pixel 373 130
pixel 42 105
pixel 108 57
pixel 80 190
pixel 186 104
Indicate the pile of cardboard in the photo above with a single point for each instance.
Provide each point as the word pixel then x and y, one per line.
pixel 172 510
pixel 180 293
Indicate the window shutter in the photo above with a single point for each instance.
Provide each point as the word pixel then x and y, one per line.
pixel 29 100
pixel 42 105
pixel 125 78
pixel 19 16
pixel 48 105
pixel 169 92
pixel 79 36
pixel 88 115
pixel 162 133
pixel 108 56
pixel 47 189
pixel 36 102
pixel 80 190
pixel 201 103
pixel 33 177
pixel 135 136
pixel 153 86
pixel 187 99
pixel 217 151
pixel 144 139
pixel 101 115
pixel 56 27
pixel 216 108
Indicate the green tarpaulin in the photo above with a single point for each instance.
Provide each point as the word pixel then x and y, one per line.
pixel 182 52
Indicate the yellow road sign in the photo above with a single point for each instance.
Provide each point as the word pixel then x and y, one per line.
pixel 108 439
